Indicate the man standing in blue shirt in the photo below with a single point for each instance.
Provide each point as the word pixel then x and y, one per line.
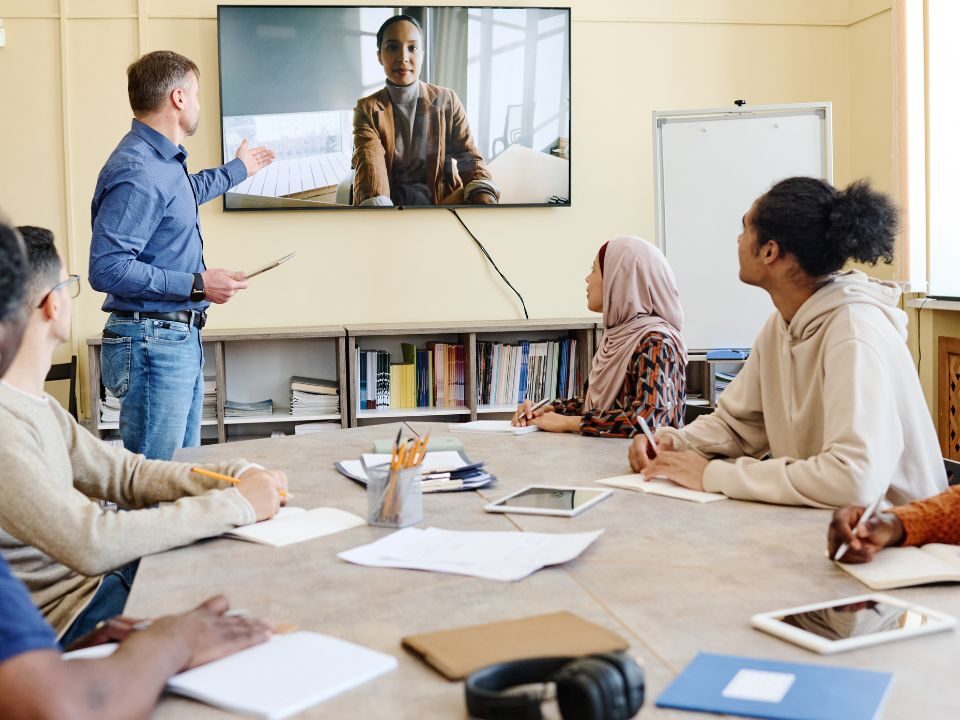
pixel 147 255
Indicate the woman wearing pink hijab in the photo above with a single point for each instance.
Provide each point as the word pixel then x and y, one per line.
pixel 640 367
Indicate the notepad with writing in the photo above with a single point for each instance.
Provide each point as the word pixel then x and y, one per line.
pixel 293 525
pixel 897 567
pixel 457 653
pixel 751 687
pixel 492 426
pixel 660 486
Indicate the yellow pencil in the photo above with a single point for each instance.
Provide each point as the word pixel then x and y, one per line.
pixel 227 479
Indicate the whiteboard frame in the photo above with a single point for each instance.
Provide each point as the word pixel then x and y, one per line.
pixel 662 117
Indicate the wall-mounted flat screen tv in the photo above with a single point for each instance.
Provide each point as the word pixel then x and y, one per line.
pixel 393 107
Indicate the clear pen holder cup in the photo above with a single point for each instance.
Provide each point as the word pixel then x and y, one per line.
pixel 394 497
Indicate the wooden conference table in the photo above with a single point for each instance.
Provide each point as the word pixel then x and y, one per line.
pixel 672 577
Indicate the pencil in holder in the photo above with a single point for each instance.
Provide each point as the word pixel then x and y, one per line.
pixel 394 497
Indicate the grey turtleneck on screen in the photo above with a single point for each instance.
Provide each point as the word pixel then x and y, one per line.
pixel 408 184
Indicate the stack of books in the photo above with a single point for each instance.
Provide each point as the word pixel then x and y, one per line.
pixel 310 396
pixel 425 377
pixel 233 409
pixel 721 380
pixel 209 399
pixel 509 374
pixel 109 408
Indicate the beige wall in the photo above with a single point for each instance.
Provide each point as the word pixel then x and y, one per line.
pixel 65 63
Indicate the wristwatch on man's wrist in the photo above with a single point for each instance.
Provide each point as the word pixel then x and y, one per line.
pixel 197 293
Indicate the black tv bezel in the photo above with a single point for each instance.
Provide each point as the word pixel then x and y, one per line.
pixel 341 208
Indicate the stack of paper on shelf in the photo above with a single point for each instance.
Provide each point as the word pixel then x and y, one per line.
pixel 441 471
pixel 235 409
pixel 312 396
pixel 209 399
pixel 315 427
pixel 110 408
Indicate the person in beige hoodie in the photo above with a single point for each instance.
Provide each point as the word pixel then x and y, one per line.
pixel 74 556
pixel 828 408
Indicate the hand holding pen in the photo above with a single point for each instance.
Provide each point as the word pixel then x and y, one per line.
pixel 527 411
pixel 857 533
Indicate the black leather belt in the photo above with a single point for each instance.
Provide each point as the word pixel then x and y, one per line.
pixel 198 319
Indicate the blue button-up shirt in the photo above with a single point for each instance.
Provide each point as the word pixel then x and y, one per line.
pixel 146 223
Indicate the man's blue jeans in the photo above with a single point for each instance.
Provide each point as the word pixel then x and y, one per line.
pixel 107 602
pixel 156 368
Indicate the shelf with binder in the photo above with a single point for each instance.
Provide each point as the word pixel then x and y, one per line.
pixel 249 366
pixel 394 340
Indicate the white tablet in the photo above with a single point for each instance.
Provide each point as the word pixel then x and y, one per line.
pixel 854 622
pixel 549 500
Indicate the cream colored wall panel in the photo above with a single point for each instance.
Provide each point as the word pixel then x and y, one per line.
pixel 28 8
pixel 789 12
pixel 101 8
pixel 871 110
pixel 862 9
pixel 32 181
pixel 98 52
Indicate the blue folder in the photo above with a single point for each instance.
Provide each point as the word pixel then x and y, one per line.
pixel 819 692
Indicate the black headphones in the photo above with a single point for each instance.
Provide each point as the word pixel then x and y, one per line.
pixel 608 686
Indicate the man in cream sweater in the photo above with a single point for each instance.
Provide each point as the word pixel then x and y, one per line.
pixel 828 409
pixel 55 536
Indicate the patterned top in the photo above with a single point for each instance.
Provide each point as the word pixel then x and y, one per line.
pixel 934 520
pixel 655 387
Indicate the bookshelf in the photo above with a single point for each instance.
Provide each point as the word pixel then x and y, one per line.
pixel 390 337
pixel 251 365
pixel 701 377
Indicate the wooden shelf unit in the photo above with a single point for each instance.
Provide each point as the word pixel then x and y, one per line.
pixel 303 346
pixel 366 336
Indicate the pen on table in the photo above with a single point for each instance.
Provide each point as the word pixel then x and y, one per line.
pixel 867 514
pixel 227 479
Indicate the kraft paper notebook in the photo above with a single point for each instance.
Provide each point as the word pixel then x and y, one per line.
pixel 898 567
pixel 457 653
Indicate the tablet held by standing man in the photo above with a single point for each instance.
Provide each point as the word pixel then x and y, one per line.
pixel 147 255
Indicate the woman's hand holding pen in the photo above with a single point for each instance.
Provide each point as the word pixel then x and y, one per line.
pixel 881 530
pixel 527 411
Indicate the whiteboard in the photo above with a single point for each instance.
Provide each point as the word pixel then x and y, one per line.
pixel 710 165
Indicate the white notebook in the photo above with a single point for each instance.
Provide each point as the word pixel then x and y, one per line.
pixel 897 567
pixel 492 426
pixel 660 486
pixel 293 525
pixel 281 677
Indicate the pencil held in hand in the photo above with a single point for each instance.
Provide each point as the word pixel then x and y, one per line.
pixel 227 479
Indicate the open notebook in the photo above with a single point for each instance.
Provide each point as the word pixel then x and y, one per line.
pixel 277 679
pixel 293 525
pixel 897 567
pixel 659 486
pixel 492 426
